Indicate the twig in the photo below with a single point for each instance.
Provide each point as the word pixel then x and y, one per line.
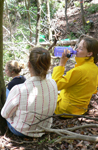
pixel 83 126
pixel 4 138
pixel 8 31
pixel 26 39
pixel 72 136
pixel 59 115
pixel 55 41
pixel 79 137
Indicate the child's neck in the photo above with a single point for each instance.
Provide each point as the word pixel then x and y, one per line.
pixel 15 75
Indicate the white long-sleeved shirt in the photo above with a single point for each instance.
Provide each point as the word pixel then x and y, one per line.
pixel 26 100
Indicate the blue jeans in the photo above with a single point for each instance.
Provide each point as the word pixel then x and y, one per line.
pixel 7 92
pixel 14 131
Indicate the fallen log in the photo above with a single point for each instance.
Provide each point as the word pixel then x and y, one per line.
pixel 61 43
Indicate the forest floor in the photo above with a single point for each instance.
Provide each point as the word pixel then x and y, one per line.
pixel 47 141
pixel 76 28
pixel 8 141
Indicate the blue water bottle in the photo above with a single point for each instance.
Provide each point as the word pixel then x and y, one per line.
pixel 58 50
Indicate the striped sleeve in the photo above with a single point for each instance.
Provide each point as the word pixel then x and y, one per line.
pixel 11 103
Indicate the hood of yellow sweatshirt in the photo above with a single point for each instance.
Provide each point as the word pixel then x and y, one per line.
pixel 81 60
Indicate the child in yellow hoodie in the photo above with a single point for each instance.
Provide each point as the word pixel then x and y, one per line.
pixel 78 85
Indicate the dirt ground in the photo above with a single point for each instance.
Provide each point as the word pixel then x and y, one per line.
pixel 47 142
pixel 75 22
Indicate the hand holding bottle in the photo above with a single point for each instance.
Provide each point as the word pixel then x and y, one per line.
pixel 64 57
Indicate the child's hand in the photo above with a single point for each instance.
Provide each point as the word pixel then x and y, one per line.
pixel 64 59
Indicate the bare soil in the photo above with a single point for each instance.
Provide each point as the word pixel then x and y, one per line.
pixel 76 28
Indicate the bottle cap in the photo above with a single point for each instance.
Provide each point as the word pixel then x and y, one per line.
pixel 68 55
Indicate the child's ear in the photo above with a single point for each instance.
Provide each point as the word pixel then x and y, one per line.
pixel 89 54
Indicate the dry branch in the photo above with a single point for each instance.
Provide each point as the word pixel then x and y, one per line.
pixel 83 126
pixel 55 41
pixel 79 137
pixel 72 135
pixel 61 43
pixel 59 115
pixel 68 133
pixel 20 142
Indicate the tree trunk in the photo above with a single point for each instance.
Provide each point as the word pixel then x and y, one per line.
pixel 27 4
pixel 66 15
pixel 2 85
pixel 7 13
pixel 48 18
pixel 38 21
pixel 82 12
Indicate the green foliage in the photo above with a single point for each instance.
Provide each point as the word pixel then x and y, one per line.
pixel 19 6
pixel 28 47
pixel 86 4
pixel 33 2
pixel 11 55
pixel 77 3
pixel 19 19
pixel 7 56
pixel 33 13
pixel 87 28
pixel 71 36
pixel 22 30
pixel 18 37
pixel 10 1
pixel 21 9
pixel 52 141
pixel 54 6
pixel 92 9
pixel 43 140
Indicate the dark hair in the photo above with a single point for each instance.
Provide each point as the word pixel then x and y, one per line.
pixel 40 60
pixel 92 46
pixel 15 66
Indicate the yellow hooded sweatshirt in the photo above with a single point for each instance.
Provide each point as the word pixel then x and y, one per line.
pixel 76 87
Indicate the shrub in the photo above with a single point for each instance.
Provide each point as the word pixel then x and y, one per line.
pixel 92 9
